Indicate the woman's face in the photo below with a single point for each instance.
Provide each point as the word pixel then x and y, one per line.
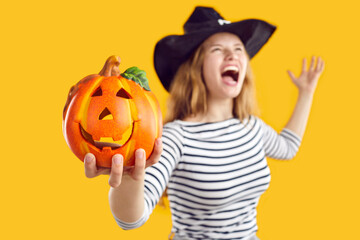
pixel 224 66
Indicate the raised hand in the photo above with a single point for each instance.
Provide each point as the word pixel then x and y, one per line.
pixel 308 79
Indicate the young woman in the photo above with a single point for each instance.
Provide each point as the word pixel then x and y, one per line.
pixel 212 158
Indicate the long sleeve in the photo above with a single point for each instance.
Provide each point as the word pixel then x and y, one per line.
pixel 158 175
pixel 279 146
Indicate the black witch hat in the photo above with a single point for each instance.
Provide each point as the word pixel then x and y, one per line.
pixel 172 51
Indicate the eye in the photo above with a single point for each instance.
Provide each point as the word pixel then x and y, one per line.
pixel 239 49
pixel 215 49
pixel 123 94
pixel 98 92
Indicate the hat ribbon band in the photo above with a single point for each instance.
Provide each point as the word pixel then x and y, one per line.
pixel 222 21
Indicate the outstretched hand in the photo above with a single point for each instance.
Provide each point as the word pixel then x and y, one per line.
pixel 308 79
pixel 117 170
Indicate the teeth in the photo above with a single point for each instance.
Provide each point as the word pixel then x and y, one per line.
pixel 231 68
pixel 109 140
pixel 103 145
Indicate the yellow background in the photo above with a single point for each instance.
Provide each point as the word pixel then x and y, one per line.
pixel 47 46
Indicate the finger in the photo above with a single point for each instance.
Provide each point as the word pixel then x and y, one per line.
pixel 304 66
pixel 116 170
pixel 318 64
pixel 155 156
pixel 90 165
pixel 312 63
pixel 292 76
pixel 140 159
pixel 321 65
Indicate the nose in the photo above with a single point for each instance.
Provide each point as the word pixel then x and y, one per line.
pixel 106 115
pixel 230 55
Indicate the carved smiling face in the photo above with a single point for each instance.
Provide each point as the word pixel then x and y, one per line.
pixel 110 115
pixel 108 121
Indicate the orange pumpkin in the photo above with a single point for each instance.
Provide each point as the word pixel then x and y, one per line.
pixel 106 115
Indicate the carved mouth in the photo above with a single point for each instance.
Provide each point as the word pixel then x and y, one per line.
pixel 106 142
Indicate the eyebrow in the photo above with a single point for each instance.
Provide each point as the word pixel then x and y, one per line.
pixel 239 44
pixel 218 44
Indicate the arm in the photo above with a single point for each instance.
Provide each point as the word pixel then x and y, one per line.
pixel 279 146
pixel 133 201
pixel 126 196
pixel 306 84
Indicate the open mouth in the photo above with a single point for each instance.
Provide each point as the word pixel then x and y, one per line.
pixel 230 74
pixel 106 142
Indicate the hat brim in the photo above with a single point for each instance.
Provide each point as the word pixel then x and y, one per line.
pixel 171 51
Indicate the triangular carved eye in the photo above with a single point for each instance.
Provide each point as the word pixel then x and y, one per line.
pixel 98 92
pixel 123 94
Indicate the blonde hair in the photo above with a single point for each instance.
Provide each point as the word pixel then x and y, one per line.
pixel 188 92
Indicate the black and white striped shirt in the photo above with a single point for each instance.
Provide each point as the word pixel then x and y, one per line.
pixel 215 174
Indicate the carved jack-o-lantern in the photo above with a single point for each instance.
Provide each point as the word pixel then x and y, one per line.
pixel 106 115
